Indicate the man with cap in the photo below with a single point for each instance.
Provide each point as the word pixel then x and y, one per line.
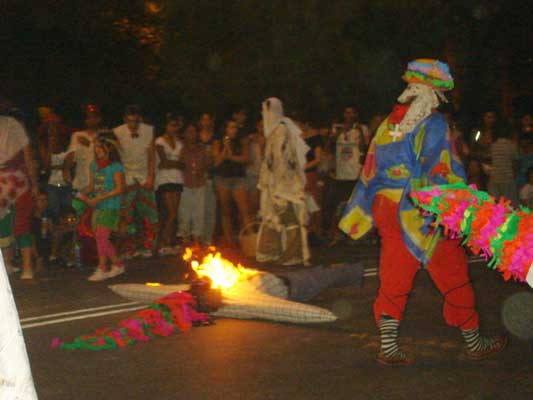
pixel 412 149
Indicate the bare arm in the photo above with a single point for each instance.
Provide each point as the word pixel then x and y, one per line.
pixel 151 166
pixel 67 166
pixel 164 162
pixel 244 157
pixel 316 160
pixel 44 156
pixel 218 153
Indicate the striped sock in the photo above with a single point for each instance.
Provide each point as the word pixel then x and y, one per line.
pixel 388 330
pixel 475 342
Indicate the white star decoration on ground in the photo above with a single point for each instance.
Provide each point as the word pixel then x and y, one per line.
pixel 396 133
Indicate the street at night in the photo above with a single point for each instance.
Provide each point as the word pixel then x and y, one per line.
pixel 238 359
pixel 266 200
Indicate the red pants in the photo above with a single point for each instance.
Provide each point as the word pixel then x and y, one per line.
pixel 448 269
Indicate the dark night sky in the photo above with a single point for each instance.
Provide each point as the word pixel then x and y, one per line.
pixel 205 55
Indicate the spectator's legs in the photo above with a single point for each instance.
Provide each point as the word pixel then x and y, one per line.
pixel 253 194
pixel 241 199
pixel 105 248
pixel 23 211
pixel 315 191
pixel 54 194
pixel 210 212
pixel 184 214
pixel 224 198
pixel 129 245
pixel 197 214
pixel 146 209
pixel 170 202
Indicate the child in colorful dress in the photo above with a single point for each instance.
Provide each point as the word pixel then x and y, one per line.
pixel 103 195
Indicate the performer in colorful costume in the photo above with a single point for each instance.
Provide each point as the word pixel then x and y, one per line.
pixel 412 149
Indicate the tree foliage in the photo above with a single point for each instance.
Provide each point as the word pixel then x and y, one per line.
pixel 200 55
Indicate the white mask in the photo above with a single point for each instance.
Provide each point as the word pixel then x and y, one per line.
pixel 423 99
pixel 272 114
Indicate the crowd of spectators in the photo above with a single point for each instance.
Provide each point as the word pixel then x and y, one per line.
pixel 139 191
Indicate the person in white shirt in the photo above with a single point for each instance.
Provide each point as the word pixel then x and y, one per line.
pixel 169 181
pixel 53 151
pixel 81 149
pixel 139 209
pixel 352 139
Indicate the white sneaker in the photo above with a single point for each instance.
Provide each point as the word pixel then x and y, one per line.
pixel 116 270
pixel 136 254
pixel 27 274
pixel 98 275
pixel 145 253
pixel 166 251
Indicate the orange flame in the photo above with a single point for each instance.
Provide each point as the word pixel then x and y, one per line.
pixel 188 254
pixel 222 272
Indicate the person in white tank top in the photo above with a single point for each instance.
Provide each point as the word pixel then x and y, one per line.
pixel 169 181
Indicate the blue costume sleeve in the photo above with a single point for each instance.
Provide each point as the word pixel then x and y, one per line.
pixel 436 164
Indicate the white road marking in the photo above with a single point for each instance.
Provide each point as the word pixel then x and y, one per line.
pixel 371 272
pixel 78 317
pixel 83 310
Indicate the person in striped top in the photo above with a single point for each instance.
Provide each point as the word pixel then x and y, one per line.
pixel 504 153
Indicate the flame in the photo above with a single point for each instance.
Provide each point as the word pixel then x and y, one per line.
pixel 153 284
pixel 222 272
pixel 188 254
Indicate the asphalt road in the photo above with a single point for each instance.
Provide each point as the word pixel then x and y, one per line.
pixel 262 360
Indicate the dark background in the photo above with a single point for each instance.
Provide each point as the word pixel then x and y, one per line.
pixel 215 55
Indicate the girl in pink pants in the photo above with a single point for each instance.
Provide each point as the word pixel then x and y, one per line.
pixel 103 195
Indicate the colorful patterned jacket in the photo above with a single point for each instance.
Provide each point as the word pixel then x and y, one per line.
pixel 395 166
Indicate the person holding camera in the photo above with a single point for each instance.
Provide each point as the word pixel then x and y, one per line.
pixel 230 158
